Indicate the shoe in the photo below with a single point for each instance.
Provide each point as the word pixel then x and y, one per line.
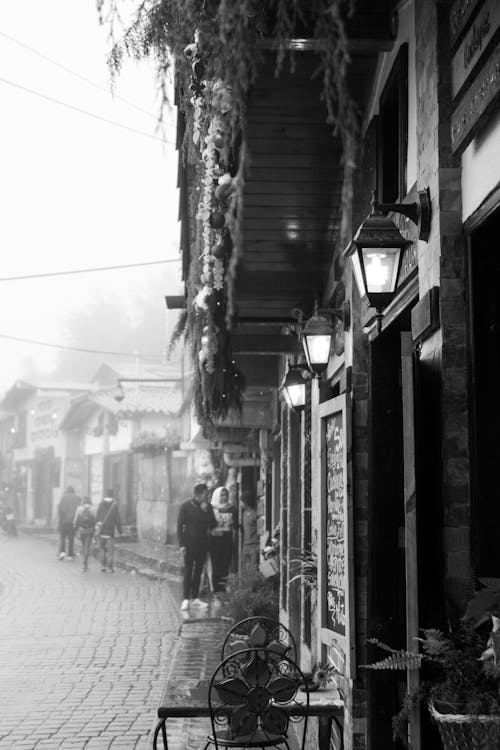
pixel 111 570
pixel 61 555
pixel 84 570
pixel 103 570
pixel 185 604
pixel 70 557
pixel 199 603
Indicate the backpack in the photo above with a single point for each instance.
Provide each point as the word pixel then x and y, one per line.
pixel 86 519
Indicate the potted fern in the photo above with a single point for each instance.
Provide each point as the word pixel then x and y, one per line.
pixel 460 672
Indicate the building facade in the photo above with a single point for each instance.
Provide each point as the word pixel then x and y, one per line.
pixel 384 481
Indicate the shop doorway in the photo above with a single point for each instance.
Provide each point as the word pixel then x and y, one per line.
pixel 484 296
pixel 387 607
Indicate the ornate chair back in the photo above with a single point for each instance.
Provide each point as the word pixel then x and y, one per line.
pixel 263 632
pixel 253 696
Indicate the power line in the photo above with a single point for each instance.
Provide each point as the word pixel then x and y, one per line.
pixel 85 112
pixel 87 270
pixel 80 349
pixel 75 73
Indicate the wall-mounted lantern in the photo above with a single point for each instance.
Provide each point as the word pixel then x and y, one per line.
pixel 293 388
pixel 318 332
pixel 378 246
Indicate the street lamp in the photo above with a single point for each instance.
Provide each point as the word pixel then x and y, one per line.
pixel 293 387
pixel 378 246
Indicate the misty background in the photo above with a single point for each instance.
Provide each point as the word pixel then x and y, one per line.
pixel 87 181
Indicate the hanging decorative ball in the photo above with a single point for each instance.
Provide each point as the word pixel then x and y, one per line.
pixel 222 192
pixel 219 140
pixel 225 179
pixel 190 51
pixel 198 69
pixel 219 250
pixel 217 220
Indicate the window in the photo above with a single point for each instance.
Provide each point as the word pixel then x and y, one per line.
pixel 393 139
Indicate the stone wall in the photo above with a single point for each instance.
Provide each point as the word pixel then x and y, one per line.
pixel 442 263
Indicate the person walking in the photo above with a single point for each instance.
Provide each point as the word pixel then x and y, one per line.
pixel 107 522
pixel 193 527
pixel 220 543
pixel 84 525
pixel 66 511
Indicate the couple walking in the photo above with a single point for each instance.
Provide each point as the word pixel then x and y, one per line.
pixel 202 528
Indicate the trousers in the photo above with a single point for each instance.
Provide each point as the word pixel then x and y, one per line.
pixel 194 559
pixel 107 545
pixel 86 538
pixel 66 533
pixel 221 552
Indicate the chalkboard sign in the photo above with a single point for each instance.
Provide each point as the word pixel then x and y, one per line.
pixel 335 531
pixel 335 537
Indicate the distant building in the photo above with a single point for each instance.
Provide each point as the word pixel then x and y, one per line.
pixel 37 457
pixel 126 437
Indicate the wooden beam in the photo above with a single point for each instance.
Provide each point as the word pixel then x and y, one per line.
pixel 361 44
pixel 270 344
pixel 260 372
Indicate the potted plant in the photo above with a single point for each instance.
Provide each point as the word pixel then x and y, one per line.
pixel 460 672
pixel 320 676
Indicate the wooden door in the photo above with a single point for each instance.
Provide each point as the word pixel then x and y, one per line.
pixel 410 515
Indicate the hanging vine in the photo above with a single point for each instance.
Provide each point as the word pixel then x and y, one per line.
pixel 213 45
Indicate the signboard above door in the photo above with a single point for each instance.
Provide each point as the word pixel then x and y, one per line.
pixel 475 68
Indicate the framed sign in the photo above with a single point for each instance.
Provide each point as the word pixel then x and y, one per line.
pixel 336 558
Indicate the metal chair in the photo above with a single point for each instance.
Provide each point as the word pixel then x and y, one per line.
pixel 252 699
pixel 262 632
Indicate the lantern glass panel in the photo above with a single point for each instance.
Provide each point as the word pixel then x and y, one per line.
pixel 358 274
pixel 297 394
pixel 381 268
pixel 286 396
pixel 318 348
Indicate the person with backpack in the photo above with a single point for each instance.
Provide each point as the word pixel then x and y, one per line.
pixel 84 524
pixel 108 521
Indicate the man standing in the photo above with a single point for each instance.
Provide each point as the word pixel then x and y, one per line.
pixel 108 521
pixel 193 527
pixel 66 510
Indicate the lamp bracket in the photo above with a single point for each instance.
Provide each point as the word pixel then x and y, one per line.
pixel 343 313
pixel 419 211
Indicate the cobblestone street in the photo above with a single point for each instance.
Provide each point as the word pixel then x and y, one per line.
pixel 83 657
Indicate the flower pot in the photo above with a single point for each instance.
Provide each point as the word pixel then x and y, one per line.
pixel 467 732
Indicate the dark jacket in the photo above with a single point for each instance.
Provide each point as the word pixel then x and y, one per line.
pixel 67 507
pixel 108 514
pixel 194 524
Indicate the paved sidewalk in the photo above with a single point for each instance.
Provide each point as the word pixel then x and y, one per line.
pixel 196 654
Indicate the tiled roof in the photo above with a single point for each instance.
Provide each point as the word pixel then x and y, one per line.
pixel 140 399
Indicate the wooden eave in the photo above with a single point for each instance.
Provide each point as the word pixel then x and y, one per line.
pixel 292 199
